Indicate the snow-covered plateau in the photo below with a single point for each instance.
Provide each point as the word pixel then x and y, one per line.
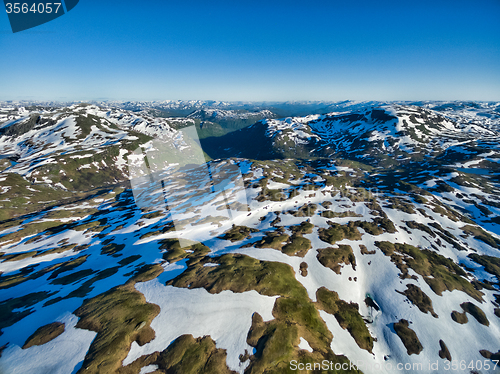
pixel 356 237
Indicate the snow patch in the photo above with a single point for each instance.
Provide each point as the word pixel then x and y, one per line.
pixel 59 356
pixel 305 345
pixel 226 317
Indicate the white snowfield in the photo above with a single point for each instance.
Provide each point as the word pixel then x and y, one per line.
pixel 377 276
pixel 226 317
pixel 62 355
pixel 57 133
pixel 410 129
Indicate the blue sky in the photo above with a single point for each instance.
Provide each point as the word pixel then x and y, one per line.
pixel 257 50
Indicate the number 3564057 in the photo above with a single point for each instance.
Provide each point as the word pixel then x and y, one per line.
pixel 34 8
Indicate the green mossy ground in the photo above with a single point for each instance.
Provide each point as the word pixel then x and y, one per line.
pixel 297 246
pixel 184 355
pixel 119 316
pixel 174 252
pixel 401 204
pixel 191 356
pixel 239 273
pixel 491 264
pixel 152 215
pixel 19 200
pixel 273 239
pixel 444 353
pixel 377 226
pixel 295 315
pixel 347 315
pixel 419 298
pixel 303 269
pixel 473 310
pixel 28 230
pixel 492 356
pixel 18 256
pixel 336 232
pixel 305 227
pixel 128 260
pixel 446 212
pixel 281 171
pixel 68 265
pixel 459 317
pixel 112 249
pixel 26 197
pixel 331 214
pixel 212 220
pixel 237 233
pixel 271 194
pixel 408 337
pixel 44 334
pixel 73 277
pixel 479 234
pixel 447 236
pixel 333 257
pixel 365 251
pixel 439 272
pixel 306 210
pixel 419 226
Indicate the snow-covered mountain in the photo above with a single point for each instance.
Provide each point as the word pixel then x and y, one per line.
pixel 70 150
pixel 216 115
pixel 361 239
pixel 385 134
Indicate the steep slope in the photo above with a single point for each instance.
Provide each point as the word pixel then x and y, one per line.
pixel 383 136
pixel 217 122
